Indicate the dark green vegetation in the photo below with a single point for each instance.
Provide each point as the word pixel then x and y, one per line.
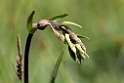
pixel 102 21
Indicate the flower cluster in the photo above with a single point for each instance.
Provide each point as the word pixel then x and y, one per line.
pixel 76 48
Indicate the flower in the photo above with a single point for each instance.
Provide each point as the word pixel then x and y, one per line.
pixel 76 48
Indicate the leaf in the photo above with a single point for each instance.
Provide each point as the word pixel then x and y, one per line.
pixel 55 18
pixel 53 77
pixel 81 36
pixel 72 23
pixel 29 23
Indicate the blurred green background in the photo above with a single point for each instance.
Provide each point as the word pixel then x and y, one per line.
pixel 102 21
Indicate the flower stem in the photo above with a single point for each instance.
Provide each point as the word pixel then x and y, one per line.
pixel 26 56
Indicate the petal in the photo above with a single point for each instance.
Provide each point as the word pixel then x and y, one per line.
pixel 86 55
pixel 60 36
pixel 81 36
pixel 78 56
pixel 72 54
pixel 79 48
pixel 82 46
pixel 82 56
pixel 70 44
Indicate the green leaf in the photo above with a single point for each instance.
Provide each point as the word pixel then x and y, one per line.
pixel 55 18
pixel 72 23
pixel 53 77
pixel 81 36
pixel 29 23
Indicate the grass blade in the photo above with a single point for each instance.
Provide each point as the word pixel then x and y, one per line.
pixel 55 71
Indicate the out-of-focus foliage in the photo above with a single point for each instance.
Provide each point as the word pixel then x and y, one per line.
pixel 101 20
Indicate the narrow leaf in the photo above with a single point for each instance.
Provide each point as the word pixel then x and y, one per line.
pixel 53 77
pixel 29 23
pixel 72 23
pixel 81 36
pixel 55 18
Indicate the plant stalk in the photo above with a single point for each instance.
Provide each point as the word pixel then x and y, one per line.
pixel 26 58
